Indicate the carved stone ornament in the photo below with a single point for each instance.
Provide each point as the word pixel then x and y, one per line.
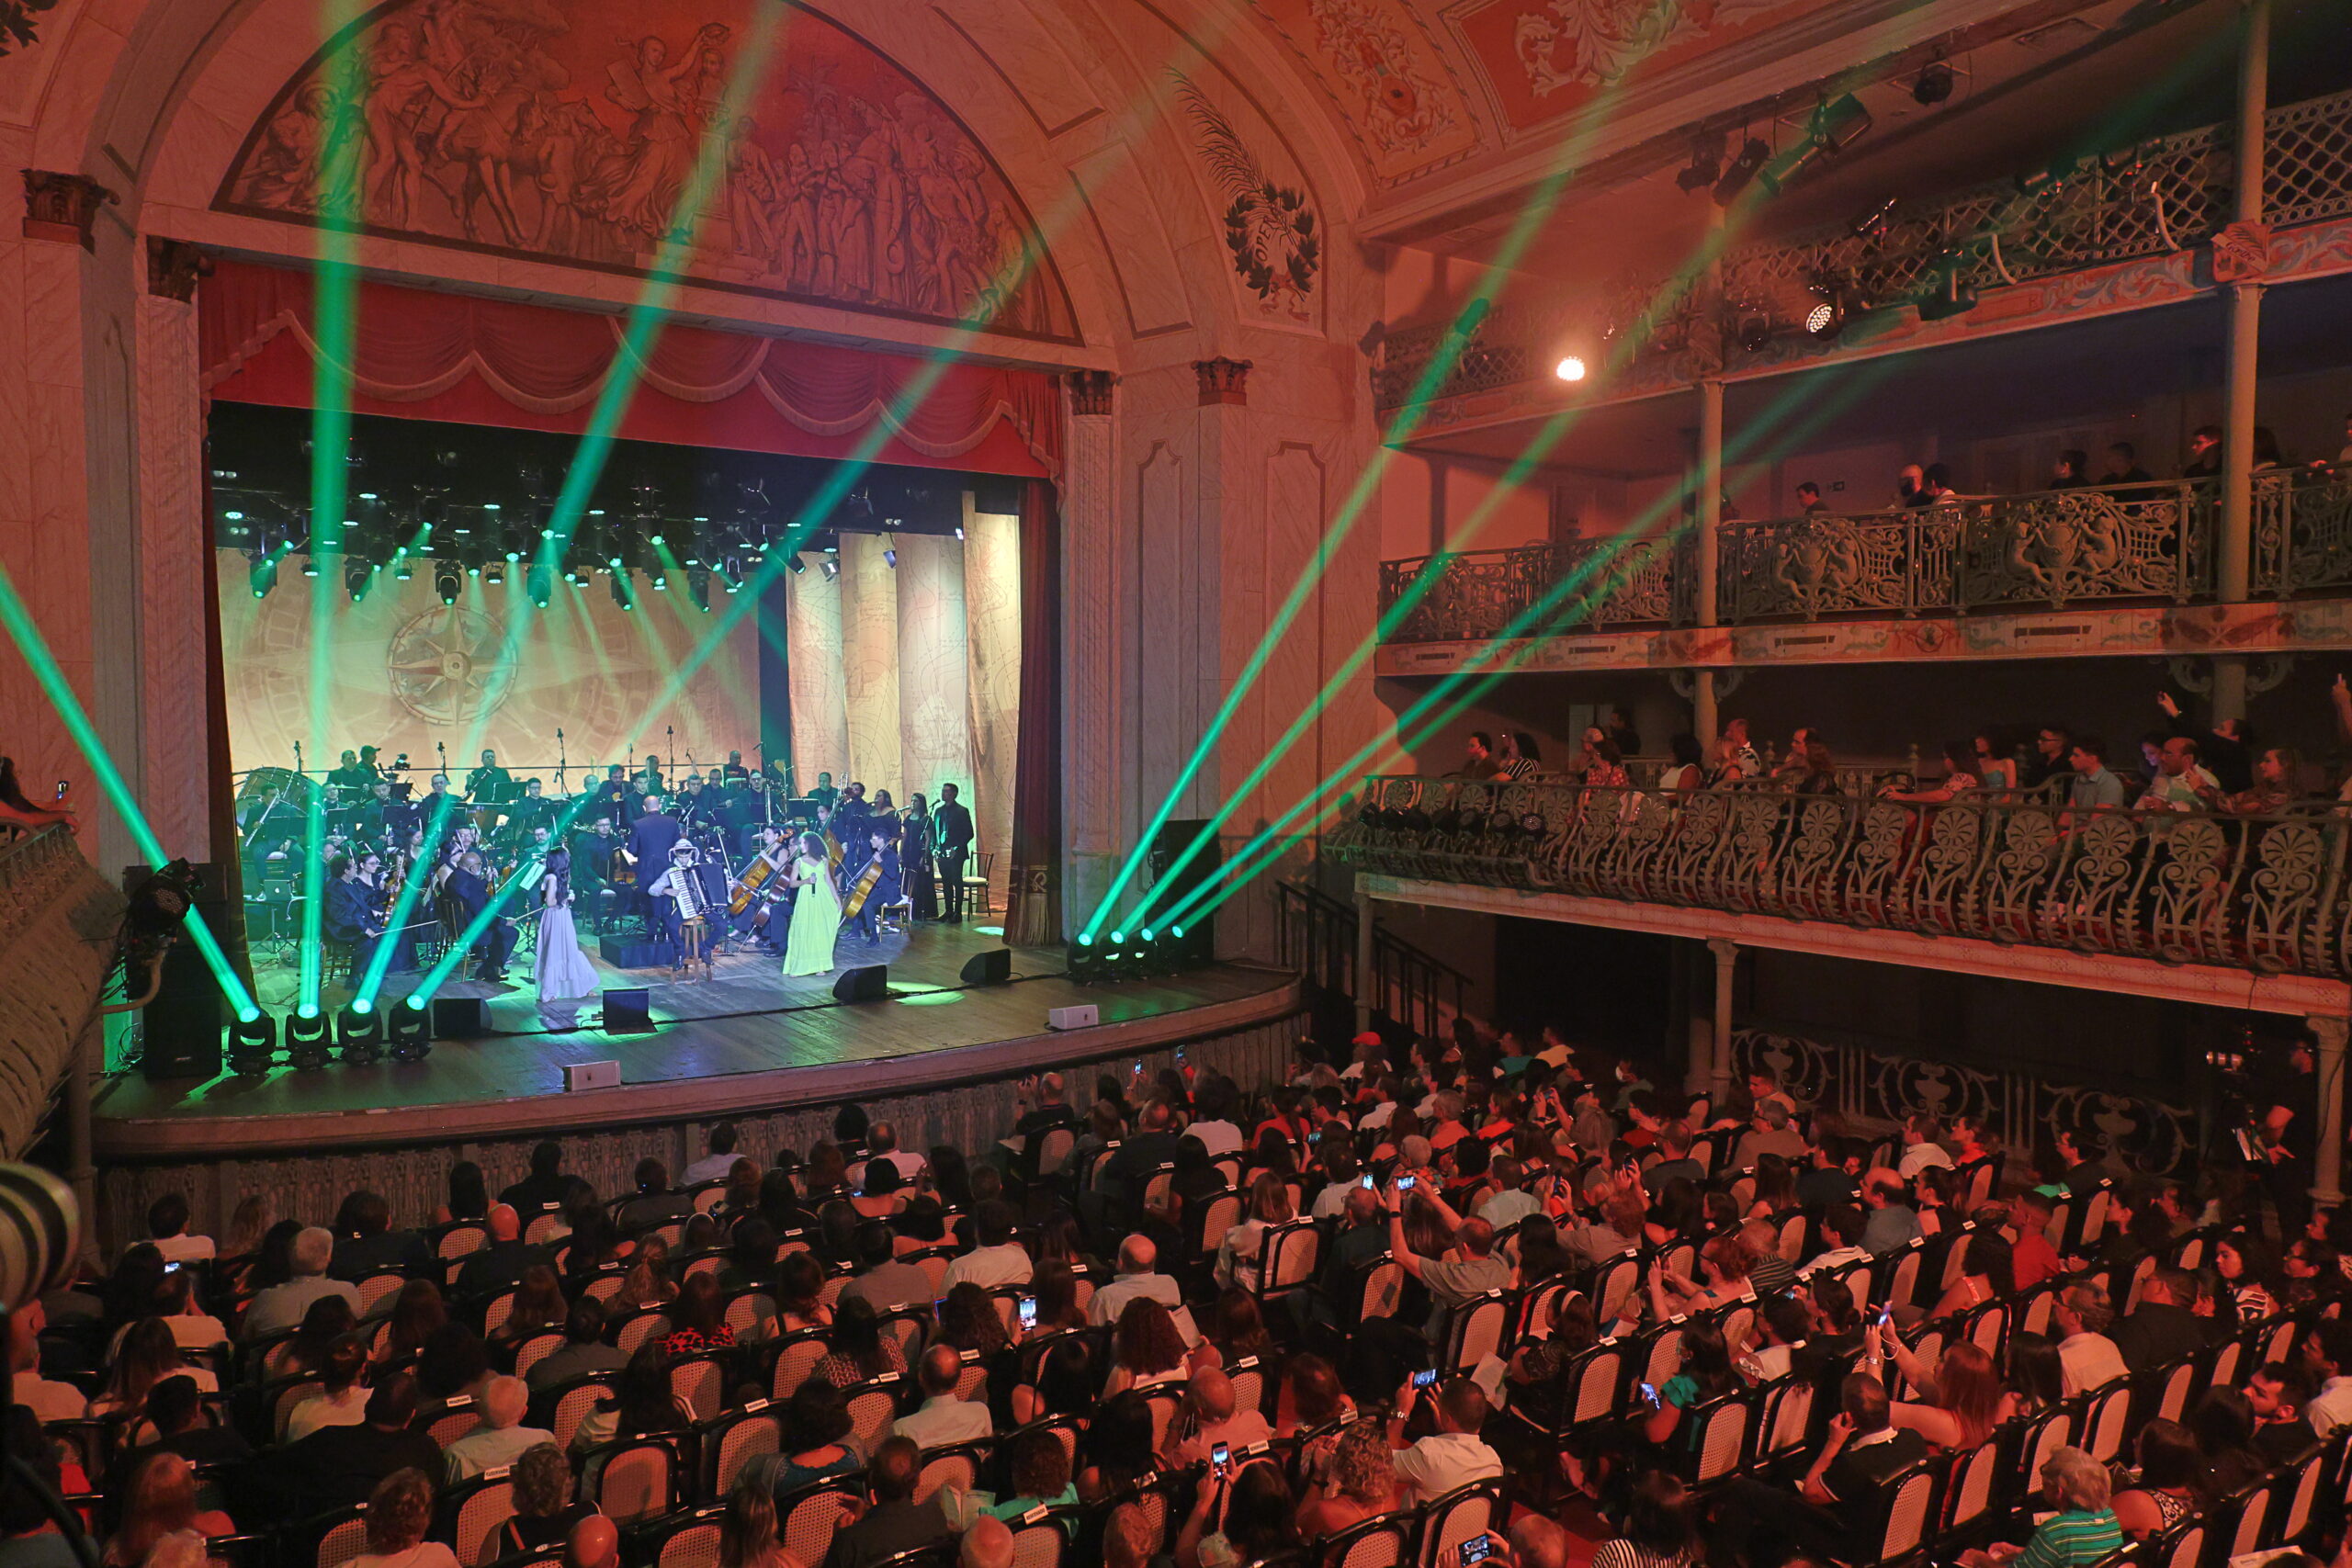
pixel 1223 380
pixel 2242 253
pixel 63 207
pixel 1090 392
pixel 173 267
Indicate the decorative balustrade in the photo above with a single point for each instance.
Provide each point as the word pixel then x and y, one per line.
pixel 2264 894
pixel 2149 199
pixel 2149 1136
pixel 2047 549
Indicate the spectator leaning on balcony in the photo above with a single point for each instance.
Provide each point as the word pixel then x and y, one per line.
pixel 1935 486
pixel 2123 468
pixel 1820 772
pixel 2071 471
pixel 1960 760
pixel 2275 772
pixel 1688 770
pixel 2204 453
pixel 2092 785
pixel 1735 757
pixel 2048 758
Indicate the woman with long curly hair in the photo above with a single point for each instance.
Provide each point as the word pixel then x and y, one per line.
pixel 399 1512
pixel 1146 1348
pixel 147 1355
pixel 1358 1483
pixel 544 1510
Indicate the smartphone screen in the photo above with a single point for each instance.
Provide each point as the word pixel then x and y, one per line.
pixel 1366 1180
pixel 62 787
pixel 1138 1067
pixel 1425 1379
pixel 1220 1459
pixel 1405 1183
pixel 1478 1549
pixel 1028 1312
pixel 1649 1395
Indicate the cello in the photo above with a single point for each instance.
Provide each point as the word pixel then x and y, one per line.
pixel 862 889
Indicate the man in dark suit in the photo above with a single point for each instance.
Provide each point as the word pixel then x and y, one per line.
pixel 500 1263
pixel 896 1522
pixel 471 889
pixel 336 1467
pixel 1841 1508
pixel 953 824
pixel 655 1202
pixel 367 1243
pixel 2161 1329
pixel 650 838
pixel 351 911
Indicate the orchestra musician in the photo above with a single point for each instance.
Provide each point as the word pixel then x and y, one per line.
pixel 677 895
pixel 375 814
pixel 466 879
pixel 614 801
pixel 350 779
pixel 824 795
pixel 593 844
pixel 889 885
pixel 951 830
pixel 352 915
pixel 488 785
pixel 735 768
pixel 762 891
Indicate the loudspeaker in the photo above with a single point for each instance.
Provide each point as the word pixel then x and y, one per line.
pixel 1086 1015
pixel 991 966
pixel 593 1075
pixel 628 1011
pixel 461 1017
pixel 870 984
pixel 1198 942
pixel 181 1029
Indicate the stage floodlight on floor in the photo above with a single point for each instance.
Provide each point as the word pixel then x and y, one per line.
pixel 628 1011
pixel 992 967
pixel 308 1039
pixel 867 983
pixel 359 1031
pixel 253 1045
pixel 409 1030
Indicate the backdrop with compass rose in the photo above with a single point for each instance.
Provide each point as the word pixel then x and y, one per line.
pixel 405 670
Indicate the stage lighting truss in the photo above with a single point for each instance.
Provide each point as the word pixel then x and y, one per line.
pixel 1754 153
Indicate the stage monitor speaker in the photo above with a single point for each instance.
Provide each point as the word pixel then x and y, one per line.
pixel 628 1011
pixel 869 984
pixel 1198 942
pixel 461 1017
pixel 1086 1015
pixel 591 1075
pixel 180 1030
pixel 992 967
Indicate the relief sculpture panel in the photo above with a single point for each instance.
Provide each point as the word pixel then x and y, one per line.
pixel 570 133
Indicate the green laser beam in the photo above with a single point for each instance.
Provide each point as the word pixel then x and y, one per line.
pixel 1255 855
pixel 34 649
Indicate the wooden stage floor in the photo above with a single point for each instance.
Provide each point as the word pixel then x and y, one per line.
pixel 746 1036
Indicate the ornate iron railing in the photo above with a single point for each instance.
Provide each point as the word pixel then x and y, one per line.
pixel 2264 894
pixel 1316 935
pixel 1885 1088
pixel 2152 198
pixel 2047 549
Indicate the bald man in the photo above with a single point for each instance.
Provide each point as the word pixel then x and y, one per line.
pixel 1044 1110
pixel 1139 1276
pixel 943 1420
pixel 1216 1417
pixel 501 1438
pixel 500 1265
pixel 595 1543
pixel 987 1544
pixel 1537 1542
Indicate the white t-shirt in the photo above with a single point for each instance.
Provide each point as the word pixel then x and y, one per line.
pixel 323 1409
pixel 988 1267
pixel 183 1248
pixel 1217 1137
pixel 1443 1460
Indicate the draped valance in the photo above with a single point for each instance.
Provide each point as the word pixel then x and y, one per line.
pixel 463 359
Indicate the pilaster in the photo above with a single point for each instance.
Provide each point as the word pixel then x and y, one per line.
pixel 1092 714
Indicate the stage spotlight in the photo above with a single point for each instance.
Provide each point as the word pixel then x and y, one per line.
pixel 1752 329
pixel 1949 292
pixel 409 1030
pixel 1834 127
pixel 1934 85
pixel 832 568
pixel 618 582
pixel 494 573
pixel 253 1043
pixel 403 569
pixel 1754 153
pixel 359 1034
pixel 354 580
pixel 1706 164
pixel 660 584
pixel 540 581
pixel 446 582
pixel 794 564
pixel 1826 317
pixel 306 1039
pixel 698 587
pixel 310 562
pixel 1570 368
pixel 262 575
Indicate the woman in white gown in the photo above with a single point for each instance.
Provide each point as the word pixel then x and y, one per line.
pixel 560 968
pixel 815 911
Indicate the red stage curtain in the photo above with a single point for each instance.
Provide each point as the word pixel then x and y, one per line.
pixel 1035 916
pixel 473 361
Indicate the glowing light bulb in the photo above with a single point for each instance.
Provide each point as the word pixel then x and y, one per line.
pixel 1570 368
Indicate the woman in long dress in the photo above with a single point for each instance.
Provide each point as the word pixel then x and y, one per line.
pixel 560 970
pixel 815 911
pixel 915 849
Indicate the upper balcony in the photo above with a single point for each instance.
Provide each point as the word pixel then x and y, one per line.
pixel 2237 911
pixel 2124 229
pixel 2118 570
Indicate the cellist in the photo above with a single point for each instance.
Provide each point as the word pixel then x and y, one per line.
pixel 878 884
pixel 758 888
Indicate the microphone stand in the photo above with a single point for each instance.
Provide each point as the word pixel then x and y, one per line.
pixel 561 786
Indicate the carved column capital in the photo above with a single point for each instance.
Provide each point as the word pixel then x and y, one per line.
pixel 1223 380
pixel 1090 392
pixel 174 265
pixel 63 207
pixel 1726 950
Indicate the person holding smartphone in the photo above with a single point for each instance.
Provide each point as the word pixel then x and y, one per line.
pixel 1452 1456
pixel 1449 1284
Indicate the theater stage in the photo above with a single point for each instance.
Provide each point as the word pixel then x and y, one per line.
pixel 744 1040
